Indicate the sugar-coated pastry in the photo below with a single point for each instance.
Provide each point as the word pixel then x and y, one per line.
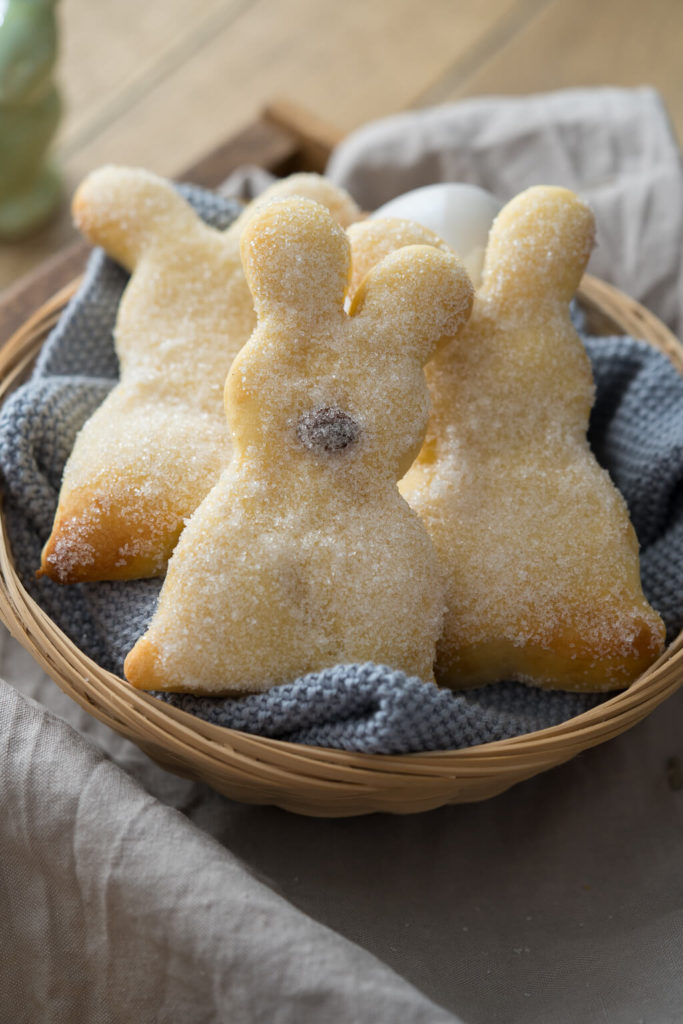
pixel 145 459
pixel 458 212
pixel 373 239
pixel 304 554
pixel 541 560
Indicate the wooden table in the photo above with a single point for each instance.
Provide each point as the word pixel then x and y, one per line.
pixel 159 83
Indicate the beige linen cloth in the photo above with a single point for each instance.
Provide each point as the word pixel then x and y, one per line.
pixel 127 894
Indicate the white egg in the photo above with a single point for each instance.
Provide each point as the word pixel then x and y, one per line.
pixel 460 214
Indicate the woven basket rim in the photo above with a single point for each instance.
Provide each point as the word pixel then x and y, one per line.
pixel 653 686
pixel 255 761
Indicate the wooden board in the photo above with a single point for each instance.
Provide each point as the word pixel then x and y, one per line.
pixel 111 53
pixel 347 63
pixel 570 43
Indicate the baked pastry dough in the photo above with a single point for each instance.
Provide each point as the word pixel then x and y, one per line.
pixel 373 239
pixel 304 554
pixel 145 459
pixel 541 560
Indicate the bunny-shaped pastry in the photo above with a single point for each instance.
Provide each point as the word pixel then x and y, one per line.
pixel 145 459
pixel 304 554
pixel 374 238
pixel 541 560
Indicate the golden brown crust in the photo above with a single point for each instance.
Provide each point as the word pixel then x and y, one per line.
pixel 142 666
pixel 91 541
pixel 570 659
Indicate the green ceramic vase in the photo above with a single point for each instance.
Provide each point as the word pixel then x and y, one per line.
pixel 30 109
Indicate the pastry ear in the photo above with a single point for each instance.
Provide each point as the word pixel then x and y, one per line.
pixel 296 259
pixel 128 211
pixel 314 186
pixel 373 239
pixel 538 247
pixel 415 297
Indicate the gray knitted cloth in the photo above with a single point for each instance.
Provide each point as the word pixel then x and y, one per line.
pixel 636 432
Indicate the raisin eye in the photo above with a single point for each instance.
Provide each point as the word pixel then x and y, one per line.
pixel 327 429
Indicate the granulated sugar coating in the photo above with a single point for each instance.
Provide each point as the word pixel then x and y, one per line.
pixel 304 555
pixel 541 560
pixel 150 453
pixel 373 239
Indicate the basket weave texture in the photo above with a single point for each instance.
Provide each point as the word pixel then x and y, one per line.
pixel 312 780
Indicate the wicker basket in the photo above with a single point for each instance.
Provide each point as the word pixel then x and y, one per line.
pixel 312 780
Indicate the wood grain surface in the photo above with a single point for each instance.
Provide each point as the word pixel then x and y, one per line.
pixel 163 83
